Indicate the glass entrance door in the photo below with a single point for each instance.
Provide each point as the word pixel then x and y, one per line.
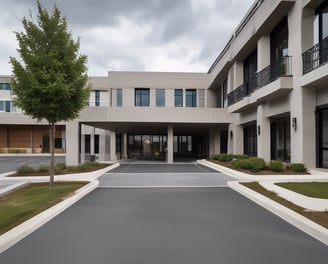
pixel 322 128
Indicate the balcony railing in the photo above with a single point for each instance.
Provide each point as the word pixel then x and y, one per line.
pixel 281 68
pixel 316 56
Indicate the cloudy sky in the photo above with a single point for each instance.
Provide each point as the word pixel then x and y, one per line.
pixel 135 35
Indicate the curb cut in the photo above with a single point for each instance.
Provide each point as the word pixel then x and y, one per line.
pixel 19 232
pixel 304 224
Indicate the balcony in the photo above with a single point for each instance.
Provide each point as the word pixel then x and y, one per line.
pixel 279 69
pixel 316 56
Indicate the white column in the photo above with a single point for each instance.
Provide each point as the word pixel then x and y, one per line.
pixel 72 143
pixel 125 146
pixel 214 141
pixel 170 144
pixel 112 151
pixel 236 137
pixel 82 144
pixel 263 134
pixel 92 141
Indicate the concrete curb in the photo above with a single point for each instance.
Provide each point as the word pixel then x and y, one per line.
pixel 13 187
pixel 14 235
pixel 306 225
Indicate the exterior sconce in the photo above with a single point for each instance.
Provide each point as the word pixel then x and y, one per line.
pixel 231 134
pixel 294 123
pixel 259 130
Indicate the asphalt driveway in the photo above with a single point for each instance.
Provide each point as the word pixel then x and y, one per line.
pixel 166 225
pixel 188 174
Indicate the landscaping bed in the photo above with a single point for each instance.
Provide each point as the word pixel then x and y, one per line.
pixel 257 166
pixel 320 218
pixel 60 169
pixel 20 205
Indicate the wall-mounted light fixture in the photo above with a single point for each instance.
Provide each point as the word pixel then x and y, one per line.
pixel 294 123
pixel 231 134
pixel 259 130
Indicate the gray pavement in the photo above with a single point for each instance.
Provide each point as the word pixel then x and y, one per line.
pixel 163 175
pixel 166 225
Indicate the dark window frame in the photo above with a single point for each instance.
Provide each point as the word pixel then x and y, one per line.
pixel 178 97
pixel 97 97
pixel 140 94
pixel 191 97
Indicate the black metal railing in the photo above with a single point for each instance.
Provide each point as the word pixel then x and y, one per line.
pixel 280 68
pixel 316 56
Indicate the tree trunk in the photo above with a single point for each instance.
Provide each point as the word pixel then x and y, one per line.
pixel 52 130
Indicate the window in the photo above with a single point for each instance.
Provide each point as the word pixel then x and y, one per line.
pixel 191 98
pixel 280 139
pixel 322 13
pixel 2 106
pixel 97 98
pixel 142 96
pixel 87 142
pixel 119 99
pixel 224 93
pixel 96 144
pixel 58 143
pixel 4 86
pixel 279 41
pixel 322 137
pixel 250 69
pixel 160 97
pixel 178 97
pixel 201 98
pixel 250 140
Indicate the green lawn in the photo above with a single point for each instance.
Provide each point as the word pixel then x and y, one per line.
pixel 319 217
pixel 21 205
pixel 312 189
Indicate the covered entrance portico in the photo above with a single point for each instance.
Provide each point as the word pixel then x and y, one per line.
pixel 148 141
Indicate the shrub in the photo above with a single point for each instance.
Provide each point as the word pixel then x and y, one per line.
pixel 297 167
pixel 254 164
pixel 230 157
pixel 276 165
pixel 222 157
pixel 43 169
pixel 61 166
pixel 25 169
pixel 214 156
pixel 241 156
pixel 85 166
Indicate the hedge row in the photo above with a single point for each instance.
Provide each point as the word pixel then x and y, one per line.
pixel 254 164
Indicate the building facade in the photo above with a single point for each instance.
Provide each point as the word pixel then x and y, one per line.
pixel 265 95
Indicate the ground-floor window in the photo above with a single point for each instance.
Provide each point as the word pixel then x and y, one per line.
pixel 250 140
pixel 147 146
pixel 322 137
pixel 280 139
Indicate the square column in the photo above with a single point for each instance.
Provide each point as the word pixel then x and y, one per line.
pixel 214 141
pixel 263 134
pixel 82 144
pixel 236 137
pixel 72 143
pixel 169 154
pixel 125 146
pixel 112 145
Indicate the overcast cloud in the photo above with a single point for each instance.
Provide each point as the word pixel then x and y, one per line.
pixel 135 35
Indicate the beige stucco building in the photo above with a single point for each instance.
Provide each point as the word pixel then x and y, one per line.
pixel 265 95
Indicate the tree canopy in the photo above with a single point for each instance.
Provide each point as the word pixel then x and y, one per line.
pixel 50 80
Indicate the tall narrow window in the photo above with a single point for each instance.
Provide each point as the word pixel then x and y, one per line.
pixel 201 98
pixel 119 97
pixel 142 96
pixel 224 93
pixel 280 139
pixel 250 69
pixel 191 98
pixel 178 97
pixel 96 144
pixel 160 97
pixel 250 140
pixel 97 98
pixel 4 86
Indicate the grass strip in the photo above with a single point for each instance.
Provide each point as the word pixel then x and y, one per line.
pixel 19 206
pixel 320 218
pixel 311 189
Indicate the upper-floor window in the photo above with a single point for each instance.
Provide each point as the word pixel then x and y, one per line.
pixel 142 96
pixel 191 98
pixel 160 97
pixel 119 97
pixel 4 86
pixel 178 97
pixel 97 98
pixel 2 106
pixel 250 69
pixel 279 41
pixel 322 20
pixel 224 93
